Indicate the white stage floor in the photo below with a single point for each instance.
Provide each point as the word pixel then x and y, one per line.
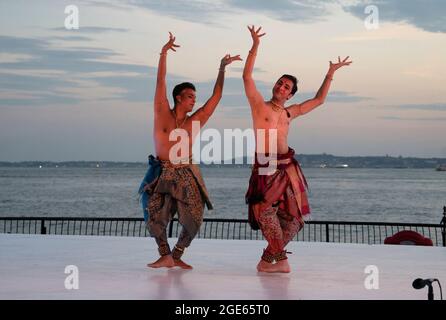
pixel 33 267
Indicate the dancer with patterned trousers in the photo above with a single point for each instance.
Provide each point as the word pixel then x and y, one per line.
pixel 173 183
pixel 277 196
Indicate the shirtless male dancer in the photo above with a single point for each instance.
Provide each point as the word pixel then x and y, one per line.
pixel 173 183
pixel 277 199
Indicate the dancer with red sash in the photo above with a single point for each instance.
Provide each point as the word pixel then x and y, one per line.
pixel 277 197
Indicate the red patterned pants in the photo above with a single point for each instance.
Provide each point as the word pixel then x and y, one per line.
pixel 278 227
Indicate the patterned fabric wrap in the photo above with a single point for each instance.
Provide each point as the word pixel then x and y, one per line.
pixel 271 189
pixel 154 170
pixel 164 250
pixel 278 227
pixel 179 188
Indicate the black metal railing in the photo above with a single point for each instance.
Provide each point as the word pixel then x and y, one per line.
pixel 132 227
pixel 319 231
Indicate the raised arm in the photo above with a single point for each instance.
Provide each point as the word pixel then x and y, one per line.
pixel 306 106
pixel 208 108
pixel 161 102
pixel 253 95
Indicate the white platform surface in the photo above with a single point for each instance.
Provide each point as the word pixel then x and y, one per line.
pixel 33 267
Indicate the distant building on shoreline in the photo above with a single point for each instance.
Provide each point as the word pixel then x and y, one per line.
pixel 305 160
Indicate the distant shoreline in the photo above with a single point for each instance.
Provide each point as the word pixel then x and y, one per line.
pixel 308 161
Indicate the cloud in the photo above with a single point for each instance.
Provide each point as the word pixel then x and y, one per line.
pixel 333 96
pixel 57 76
pixel 424 14
pixel 41 99
pixel 254 70
pixel 75 59
pixel 71 38
pixel 192 10
pixel 50 74
pixel 396 118
pixel 109 4
pixel 285 10
pixel 427 15
pixel 138 88
pixel 64 75
pixel 8 57
pixel 91 30
pixel 346 97
pixel 32 83
pixel 209 12
pixel 427 107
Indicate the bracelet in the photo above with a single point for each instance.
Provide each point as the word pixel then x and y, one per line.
pixel 222 70
pixel 163 53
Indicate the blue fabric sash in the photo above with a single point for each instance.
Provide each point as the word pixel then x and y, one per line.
pixel 153 172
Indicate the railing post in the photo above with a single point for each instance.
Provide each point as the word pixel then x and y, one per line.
pixel 443 227
pixel 170 229
pixel 327 234
pixel 42 227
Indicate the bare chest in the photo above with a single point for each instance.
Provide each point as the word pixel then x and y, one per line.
pixel 279 120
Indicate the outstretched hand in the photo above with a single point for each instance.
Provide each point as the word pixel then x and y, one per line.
pixel 227 59
pixel 255 34
pixel 170 44
pixel 336 66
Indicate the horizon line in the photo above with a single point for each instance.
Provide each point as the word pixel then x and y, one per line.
pixel 301 154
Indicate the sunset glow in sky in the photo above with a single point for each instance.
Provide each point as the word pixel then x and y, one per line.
pixel 87 93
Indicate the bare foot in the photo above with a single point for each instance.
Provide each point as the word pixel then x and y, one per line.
pixel 164 261
pixel 279 267
pixel 283 266
pixel 183 265
pixel 264 266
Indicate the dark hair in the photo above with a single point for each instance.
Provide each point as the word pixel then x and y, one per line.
pixel 180 87
pixel 293 79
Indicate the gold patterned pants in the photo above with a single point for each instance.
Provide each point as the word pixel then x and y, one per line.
pixel 176 191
